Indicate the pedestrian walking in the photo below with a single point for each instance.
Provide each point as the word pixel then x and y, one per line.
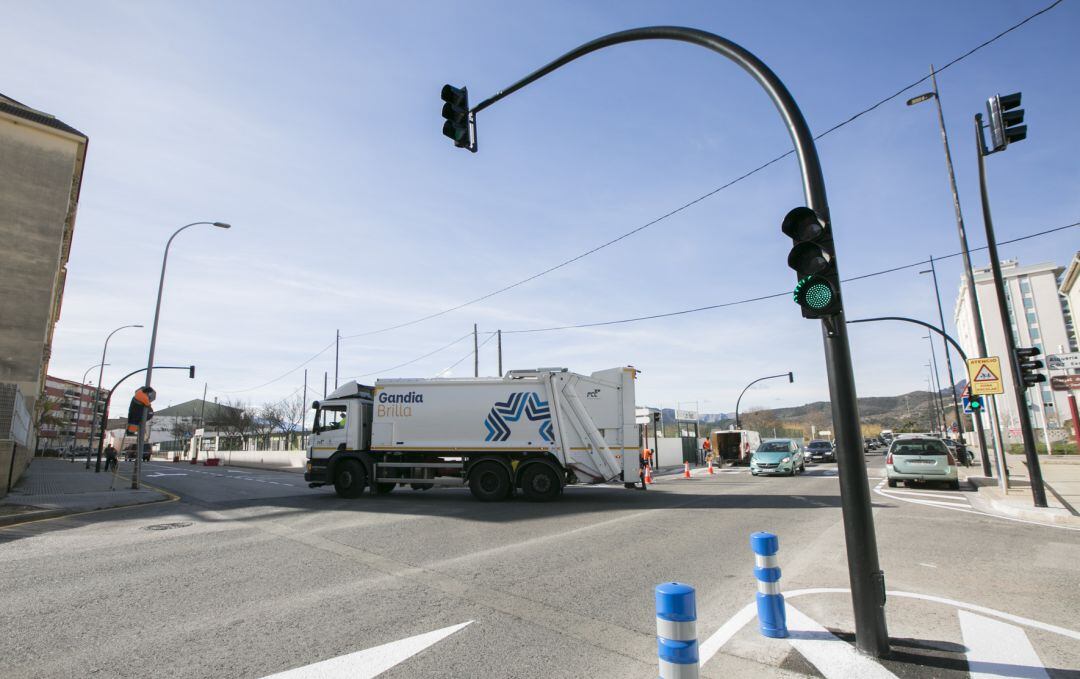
pixel 643 461
pixel 110 457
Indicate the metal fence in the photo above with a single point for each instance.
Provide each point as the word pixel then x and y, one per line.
pixel 14 415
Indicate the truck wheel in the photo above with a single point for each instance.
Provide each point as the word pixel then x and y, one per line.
pixel 489 482
pixel 540 483
pixel 384 488
pixel 349 478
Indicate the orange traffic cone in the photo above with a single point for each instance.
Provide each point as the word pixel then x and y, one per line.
pixel 686 470
pixel 648 474
pixel 710 467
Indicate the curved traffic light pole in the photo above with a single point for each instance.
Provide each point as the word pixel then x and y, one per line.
pixel 867 580
pixel 108 400
pixel 979 430
pixel 789 375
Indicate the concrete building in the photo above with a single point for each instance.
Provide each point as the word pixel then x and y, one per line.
pixel 1038 319
pixel 1070 290
pixel 41 170
pixel 75 410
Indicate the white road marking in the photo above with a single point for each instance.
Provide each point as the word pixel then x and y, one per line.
pixel 966 509
pixel 716 641
pixel 928 565
pixel 832 656
pixel 157 474
pixel 998 649
pixel 370 662
pixel 918 493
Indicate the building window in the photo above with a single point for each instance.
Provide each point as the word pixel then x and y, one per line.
pixel 1047 396
pixel 1025 285
pixel 1032 318
pixel 1034 332
pixel 1029 303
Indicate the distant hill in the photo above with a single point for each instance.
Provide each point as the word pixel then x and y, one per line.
pixel 906 411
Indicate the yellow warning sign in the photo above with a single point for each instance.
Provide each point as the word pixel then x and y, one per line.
pixel 984 376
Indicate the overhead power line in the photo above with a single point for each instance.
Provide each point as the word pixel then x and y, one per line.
pixel 786 293
pixel 704 196
pixel 418 358
pixel 457 362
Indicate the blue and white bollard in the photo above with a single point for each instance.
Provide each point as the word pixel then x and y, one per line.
pixel 770 602
pixel 676 631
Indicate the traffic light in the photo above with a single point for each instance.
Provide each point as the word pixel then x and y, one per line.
pixel 458 125
pixel 975 403
pixel 1028 364
pixel 1005 122
pixel 814 260
pixel 140 403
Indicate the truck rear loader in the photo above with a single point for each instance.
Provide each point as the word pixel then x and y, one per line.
pixel 533 431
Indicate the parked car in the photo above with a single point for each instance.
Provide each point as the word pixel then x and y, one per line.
pixel 820 450
pixel 921 459
pixel 778 456
pixel 959 451
pixel 129 452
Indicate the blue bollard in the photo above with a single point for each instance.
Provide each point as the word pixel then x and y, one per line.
pixel 676 631
pixel 770 602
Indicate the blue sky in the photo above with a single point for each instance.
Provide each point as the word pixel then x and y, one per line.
pixel 314 129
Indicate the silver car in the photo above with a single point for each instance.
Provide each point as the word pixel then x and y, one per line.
pixel 921 458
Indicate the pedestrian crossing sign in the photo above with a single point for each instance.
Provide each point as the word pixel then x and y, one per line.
pixel 984 376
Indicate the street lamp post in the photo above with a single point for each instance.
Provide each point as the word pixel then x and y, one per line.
pixel 937 383
pixel 948 357
pixel 790 376
pixel 153 344
pixel 969 276
pixel 78 416
pixel 97 395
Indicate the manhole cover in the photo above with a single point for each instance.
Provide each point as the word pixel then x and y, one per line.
pixel 168 526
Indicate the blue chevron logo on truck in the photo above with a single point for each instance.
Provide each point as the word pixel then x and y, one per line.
pixel 519 403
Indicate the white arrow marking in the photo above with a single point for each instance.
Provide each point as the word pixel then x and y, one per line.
pixel 998 649
pixel 370 662
pixel 154 476
pixel 834 657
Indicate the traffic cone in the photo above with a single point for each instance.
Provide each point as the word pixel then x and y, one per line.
pixel 686 470
pixel 710 467
pixel 648 474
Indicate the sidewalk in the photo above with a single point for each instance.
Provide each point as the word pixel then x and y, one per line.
pixel 1061 478
pixel 52 487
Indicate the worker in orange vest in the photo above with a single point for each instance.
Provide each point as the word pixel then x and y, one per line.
pixel 644 461
pixel 706 448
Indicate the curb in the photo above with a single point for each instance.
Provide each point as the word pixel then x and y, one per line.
pixel 47 514
pixel 1051 516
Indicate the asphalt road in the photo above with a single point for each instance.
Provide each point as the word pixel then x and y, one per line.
pixel 252 573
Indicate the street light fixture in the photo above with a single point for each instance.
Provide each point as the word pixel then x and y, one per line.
pixel 153 342
pixel 97 396
pixel 78 416
pixel 969 276
pixel 790 376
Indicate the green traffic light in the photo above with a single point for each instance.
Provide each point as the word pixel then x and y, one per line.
pixel 818 296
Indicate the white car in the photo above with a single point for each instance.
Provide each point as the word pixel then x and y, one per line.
pixel 921 458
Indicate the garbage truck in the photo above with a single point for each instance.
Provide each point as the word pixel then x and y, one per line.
pixel 529 431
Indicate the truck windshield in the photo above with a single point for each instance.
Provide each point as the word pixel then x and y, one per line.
pixel 330 417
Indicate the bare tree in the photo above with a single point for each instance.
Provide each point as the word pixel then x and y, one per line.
pixel 234 417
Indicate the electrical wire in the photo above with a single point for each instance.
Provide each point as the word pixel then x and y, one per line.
pixel 761 298
pixel 455 364
pixel 418 358
pixel 281 376
pixel 704 196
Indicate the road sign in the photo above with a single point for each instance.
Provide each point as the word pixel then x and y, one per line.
pixel 984 376
pixel 686 415
pixel 1063 361
pixel 1065 382
pixel 200 432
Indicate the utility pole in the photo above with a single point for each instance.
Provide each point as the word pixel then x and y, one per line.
pixel 337 353
pixel 948 363
pixel 303 412
pixel 937 383
pixel 475 351
pixel 324 384
pixel 499 338
pixel 1038 492
pixel 969 276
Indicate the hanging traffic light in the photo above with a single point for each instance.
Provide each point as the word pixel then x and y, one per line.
pixel 459 124
pixel 1028 364
pixel 813 258
pixel 1005 126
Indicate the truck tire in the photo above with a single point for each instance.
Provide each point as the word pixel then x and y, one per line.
pixel 490 482
pixel 540 483
pixel 349 478
pixel 384 488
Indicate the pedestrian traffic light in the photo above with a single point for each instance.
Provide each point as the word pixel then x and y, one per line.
pixel 1005 122
pixel 1028 364
pixel 813 258
pixel 459 125
pixel 140 406
pixel 975 403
